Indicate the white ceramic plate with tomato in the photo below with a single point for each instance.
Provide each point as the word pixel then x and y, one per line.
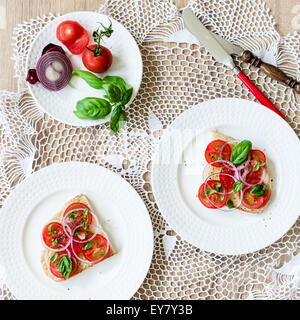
pixel 178 167
pixel 126 63
pixel 120 211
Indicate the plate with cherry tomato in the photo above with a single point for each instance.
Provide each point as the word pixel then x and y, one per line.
pixel 29 224
pixel 225 176
pixel 85 69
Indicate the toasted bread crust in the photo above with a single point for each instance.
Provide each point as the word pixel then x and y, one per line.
pixel 46 254
pixel 217 135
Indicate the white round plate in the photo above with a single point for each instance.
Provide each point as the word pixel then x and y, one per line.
pixel 177 175
pixel 127 63
pixel 120 211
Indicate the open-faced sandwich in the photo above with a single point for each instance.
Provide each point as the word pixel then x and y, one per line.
pixel 236 176
pixel 74 241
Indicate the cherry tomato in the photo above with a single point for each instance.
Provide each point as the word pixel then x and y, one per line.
pixel 216 200
pixel 54 266
pixel 73 36
pixel 96 249
pixel 212 152
pixel 78 218
pixel 226 181
pixel 97 64
pixel 253 202
pixel 53 235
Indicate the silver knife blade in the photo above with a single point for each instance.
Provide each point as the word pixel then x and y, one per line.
pixel 228 46
pixel 193 24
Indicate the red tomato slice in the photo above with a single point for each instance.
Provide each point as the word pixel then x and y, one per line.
pixel 252 202
pixel 257 157
pixel 54 267
pixel 216 200
pixel 212 152
pixel 226 181
pixel 80 218
pixel 73 36
pixel 97 64
pixel 97 249
pixel 53 235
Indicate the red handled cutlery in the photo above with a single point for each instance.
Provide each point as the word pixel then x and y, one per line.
pixel 210 42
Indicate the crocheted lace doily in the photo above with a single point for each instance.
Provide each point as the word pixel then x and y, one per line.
pixel 178 73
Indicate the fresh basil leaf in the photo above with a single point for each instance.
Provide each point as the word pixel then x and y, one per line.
pixel 88 245
pixel 65 266
pixel 218 186
pixel 50 226
pixel 72 215
pixel 127 96
pixel 92 108
pixel 210 192
pixel 258 190
pixel 54 257
pixel 118 81
pixel 240 152
pixel 113 93
pixel 118 118
pixel 229 204
pixel 91 79
pixel 237 187
pixel 55 242
pixel 84 225
pixel 257 166
pixel 86 212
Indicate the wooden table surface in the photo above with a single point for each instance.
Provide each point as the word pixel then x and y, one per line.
pixel 13 12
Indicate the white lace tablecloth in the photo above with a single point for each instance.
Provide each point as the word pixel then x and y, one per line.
pixel 178 73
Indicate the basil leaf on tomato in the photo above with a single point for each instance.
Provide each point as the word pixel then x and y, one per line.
pixel 88 245
pixel 91 79
pixel 229 204
pixel 240 152
pixel 65 266
pixel 54 257
pixel 238 186
pixel 72 215
pixel 257 166
pixel 258 190
pixel 218 186
pixel 210 192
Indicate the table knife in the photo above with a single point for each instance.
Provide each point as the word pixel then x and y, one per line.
pixel 270 70
pixel 193 24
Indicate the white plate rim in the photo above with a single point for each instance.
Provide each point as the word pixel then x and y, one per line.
pixel 20 291
pixel 88 123
pixel 170 208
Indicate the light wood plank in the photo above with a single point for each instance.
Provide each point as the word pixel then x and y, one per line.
pixel 16 11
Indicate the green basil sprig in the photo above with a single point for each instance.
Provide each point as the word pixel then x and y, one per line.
pixel 240 152
pixel 92 108
pixel 116 94
pixel 257 166
pixel 258 190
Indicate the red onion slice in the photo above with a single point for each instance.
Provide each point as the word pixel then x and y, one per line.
pixel 54 70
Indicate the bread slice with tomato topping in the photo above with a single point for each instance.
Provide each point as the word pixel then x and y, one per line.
pixel 234 197
pixel 81 266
